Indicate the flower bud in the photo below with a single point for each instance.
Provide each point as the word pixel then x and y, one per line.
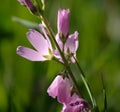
pixel 29 5
pixel 63 22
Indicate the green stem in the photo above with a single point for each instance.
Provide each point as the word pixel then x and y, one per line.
pixel 105 96
pixel 66 64
pixel 86 84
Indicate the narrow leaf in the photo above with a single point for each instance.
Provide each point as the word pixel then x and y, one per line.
pixel 27 23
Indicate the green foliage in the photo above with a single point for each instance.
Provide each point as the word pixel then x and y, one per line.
pixel 23 84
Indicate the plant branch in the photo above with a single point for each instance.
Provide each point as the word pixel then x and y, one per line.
pixel 86 84
pixel 66 64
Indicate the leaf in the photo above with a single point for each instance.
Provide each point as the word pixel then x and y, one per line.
pixel 28 24
pixel 85 82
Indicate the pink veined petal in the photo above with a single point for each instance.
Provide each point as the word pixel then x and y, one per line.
pixel 60 43
pixel 67 109
pixel 43 30
pixel 30 54
pixel 53 88
pixel 73 97
pixel 45 34
pixel 57 55
pixel 56 52
pixel 64 91
pixel 60 88
pixel 38 41
pixel 76 104
pixel 63 21
pixel 72 43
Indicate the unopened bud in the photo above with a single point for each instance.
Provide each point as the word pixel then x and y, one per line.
pixel 29 5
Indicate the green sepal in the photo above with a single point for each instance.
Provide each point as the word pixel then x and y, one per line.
pixel 50 56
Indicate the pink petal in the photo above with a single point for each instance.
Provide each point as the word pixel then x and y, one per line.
pixel 76 104
pixel 60 88
pixel 64 91
pixel 46 35
pixel 53 89
pixel 72 43
pixel 29 54
pixel 67 109
pixel 60 43
pixel 63 21
pixel 56 52
pixel 38 41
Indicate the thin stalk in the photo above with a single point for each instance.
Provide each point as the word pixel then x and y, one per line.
pixel 105 96
pixel 62 54
pixel 86 83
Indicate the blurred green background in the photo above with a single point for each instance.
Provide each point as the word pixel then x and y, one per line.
pixel 23 84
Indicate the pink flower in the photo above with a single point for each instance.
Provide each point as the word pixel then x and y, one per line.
pixel 63 22
pixel 71 44
pixel 60 88
pixel 41 44
pixel 69 48
pixel 67 43
pixel 76 104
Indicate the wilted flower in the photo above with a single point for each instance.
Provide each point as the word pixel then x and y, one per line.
pixel 63 22
pixel 41 44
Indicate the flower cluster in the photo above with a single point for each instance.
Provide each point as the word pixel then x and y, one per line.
pixel 61 88
pixel 68 45
pixel 44 51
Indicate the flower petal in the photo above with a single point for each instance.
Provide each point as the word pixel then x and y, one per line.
pixel 45 35
pixel 30 54
pixel 72 43
pixel 39 42
pixel 60 43
pixel 64 91
pixel 76 104
pixel 60 88
pixel 56 52
pixel 63 21
pixel 53 89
